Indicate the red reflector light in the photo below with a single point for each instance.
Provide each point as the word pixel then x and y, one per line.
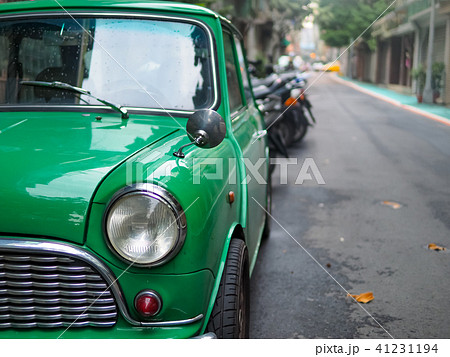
pixel 147 303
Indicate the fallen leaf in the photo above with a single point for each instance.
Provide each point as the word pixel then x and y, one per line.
pixel 392 204
pixel 433 246
pixel 364 297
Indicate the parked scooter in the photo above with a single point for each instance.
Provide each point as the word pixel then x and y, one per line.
pixel 299 81
pixel 291 122
pixel 270 106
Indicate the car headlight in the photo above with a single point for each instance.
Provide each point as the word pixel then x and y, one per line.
pixel 144 224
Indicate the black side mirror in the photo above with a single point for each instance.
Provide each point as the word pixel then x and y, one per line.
pixel 205 128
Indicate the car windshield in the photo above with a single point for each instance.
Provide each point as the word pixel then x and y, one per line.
pixel 133 62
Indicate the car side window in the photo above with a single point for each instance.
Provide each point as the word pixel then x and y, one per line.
pixel 242 67
pixel 234 88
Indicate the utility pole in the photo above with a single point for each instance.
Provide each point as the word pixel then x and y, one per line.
pixel 350 60
pixel 428 91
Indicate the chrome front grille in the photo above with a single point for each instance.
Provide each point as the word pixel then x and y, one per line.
pixel 44 289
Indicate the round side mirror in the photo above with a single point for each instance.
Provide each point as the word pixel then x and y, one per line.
pixel 206 128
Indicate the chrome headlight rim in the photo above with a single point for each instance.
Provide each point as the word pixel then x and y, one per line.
pixel 158 193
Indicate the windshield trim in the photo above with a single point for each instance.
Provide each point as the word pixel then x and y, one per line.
pixel 124 15
pixel 97 108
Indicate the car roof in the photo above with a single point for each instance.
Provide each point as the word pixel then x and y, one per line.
pixel 117 5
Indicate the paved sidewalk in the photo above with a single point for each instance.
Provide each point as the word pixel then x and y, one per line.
pixel 433 111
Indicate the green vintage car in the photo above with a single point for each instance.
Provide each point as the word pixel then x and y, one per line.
pixel 133 172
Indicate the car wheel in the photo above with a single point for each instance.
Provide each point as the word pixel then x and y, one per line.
pixel 230 316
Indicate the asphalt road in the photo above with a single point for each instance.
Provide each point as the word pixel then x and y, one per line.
pixel 367 151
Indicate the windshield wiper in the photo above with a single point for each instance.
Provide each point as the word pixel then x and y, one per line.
pixel 71 88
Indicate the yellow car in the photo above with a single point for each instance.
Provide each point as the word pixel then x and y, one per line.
pixel 332 67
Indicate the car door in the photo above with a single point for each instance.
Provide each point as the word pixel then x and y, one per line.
pixel 249 132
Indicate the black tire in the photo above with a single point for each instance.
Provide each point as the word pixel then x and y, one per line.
pixel 276 144
pixel 268 224
pixel 287 127
pixel 301 132
pixel 230 316
pixel 302 126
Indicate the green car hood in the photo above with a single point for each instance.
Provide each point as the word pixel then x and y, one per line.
pixel 52 163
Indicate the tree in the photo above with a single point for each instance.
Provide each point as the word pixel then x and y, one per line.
pixel 344 20
pixel 275 19
pixel 293 11
pixel 287 16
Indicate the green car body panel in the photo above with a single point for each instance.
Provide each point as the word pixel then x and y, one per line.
pixel 62 167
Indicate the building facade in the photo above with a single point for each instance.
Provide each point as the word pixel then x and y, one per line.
pixel 403 38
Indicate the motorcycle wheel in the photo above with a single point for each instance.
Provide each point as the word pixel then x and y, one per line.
pixel 287 127
pixel 302 125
